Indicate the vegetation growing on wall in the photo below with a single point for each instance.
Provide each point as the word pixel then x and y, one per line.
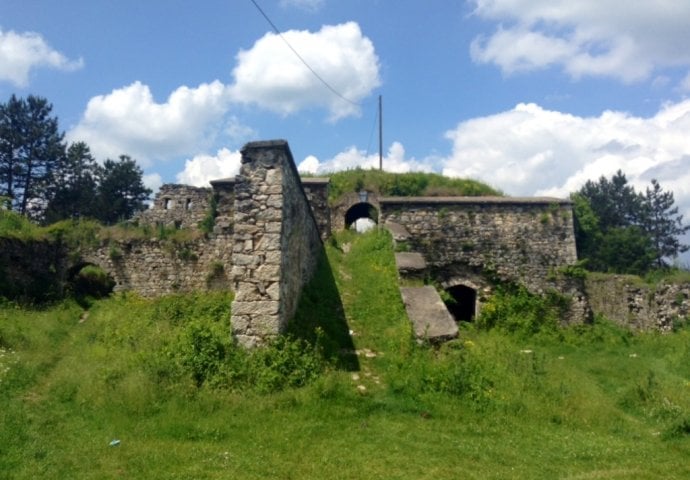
pixel 404 184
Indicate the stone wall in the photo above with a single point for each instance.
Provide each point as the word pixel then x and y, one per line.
pixel 276 242
pixel 628 301
pixel 316 190
pixel 519 240
pixel 180 206
pixel 160 267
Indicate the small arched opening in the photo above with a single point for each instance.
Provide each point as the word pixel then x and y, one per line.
pixel 462 302
pixel 362 216
pixel 89 280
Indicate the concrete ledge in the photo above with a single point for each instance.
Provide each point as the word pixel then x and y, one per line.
pixel 399 233
pixel 428 314
pixel 410 262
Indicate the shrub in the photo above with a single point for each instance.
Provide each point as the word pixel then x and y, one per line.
pixel 93 281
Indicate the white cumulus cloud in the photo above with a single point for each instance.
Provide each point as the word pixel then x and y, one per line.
pixel 585 37
pixel 394 161
pixel 529 150
pixel 128 120
pixel 272 76
pixel 201 169
pixel 22 52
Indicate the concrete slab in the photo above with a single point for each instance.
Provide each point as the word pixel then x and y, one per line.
pixel 428 313
pixel 410 262
pixel 399 232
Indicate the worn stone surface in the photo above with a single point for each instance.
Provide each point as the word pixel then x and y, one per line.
pixel 410 263
pixel 278 235
pixel 398 232
pixel 153 268
pixel 627 301
pixel 180 206
pixel 507 239
pixel 428 314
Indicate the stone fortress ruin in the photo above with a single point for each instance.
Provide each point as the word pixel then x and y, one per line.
pixel 268 232
pixel 269 225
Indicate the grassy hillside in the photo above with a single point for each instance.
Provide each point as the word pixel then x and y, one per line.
pixel 163 378
pixel 404 184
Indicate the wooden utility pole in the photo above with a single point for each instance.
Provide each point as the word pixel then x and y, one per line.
pixel 380 134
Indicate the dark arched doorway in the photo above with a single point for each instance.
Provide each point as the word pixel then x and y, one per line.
pixel 360 210
pixel 462 302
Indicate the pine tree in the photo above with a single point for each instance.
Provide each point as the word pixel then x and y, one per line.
pixel 663 224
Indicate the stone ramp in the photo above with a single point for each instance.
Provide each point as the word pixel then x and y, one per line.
pixel 428 314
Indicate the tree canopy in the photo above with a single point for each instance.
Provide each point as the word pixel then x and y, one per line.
pixel 48 181
pixel 622 231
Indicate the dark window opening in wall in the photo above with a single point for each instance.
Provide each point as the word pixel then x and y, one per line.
pixel 178 224
pixel 361 216
pixel 461 302
pixel 188 204
pixel 167 203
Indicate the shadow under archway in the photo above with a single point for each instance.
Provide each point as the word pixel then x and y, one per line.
pixel 463 303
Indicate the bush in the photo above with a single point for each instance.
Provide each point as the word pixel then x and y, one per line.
pixel 93 281
pixel 515 310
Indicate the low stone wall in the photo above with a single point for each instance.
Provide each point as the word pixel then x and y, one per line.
pixel 627 301
pixel 276 242
pixel 157 267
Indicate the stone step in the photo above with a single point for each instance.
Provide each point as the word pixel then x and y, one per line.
pixel 399 232
pixel 429 316
pixel 410 264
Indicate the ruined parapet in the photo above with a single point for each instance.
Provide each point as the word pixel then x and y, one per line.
pixel 224 198
pixel 276 243
pixel 179 206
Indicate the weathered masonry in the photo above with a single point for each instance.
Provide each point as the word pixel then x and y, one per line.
pixel 265 243
pixel 466 243
pixel 270 223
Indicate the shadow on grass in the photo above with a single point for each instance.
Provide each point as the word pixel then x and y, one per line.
pixel 320 310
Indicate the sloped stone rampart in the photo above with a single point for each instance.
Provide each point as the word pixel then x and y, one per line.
pixel 276 242
pixel 629 302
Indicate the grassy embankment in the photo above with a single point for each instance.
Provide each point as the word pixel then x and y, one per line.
pixel 162 377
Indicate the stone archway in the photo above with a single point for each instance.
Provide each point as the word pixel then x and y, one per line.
pixel 359 211
pixel 462 302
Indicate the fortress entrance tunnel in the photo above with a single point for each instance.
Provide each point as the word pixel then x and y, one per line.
pixel 362 216
pixel 462 302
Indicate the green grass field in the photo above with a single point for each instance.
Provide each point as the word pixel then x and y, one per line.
pixel 163 378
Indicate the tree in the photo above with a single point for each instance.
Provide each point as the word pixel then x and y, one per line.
pixel 619 230
pixel 663 224
pixel 73 185
pixel 121 190
pixel 615 202
pixel 30 147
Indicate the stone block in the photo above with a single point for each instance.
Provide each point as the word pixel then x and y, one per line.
pixel 429 316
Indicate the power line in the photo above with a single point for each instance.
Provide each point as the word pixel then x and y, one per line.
pixel 328 86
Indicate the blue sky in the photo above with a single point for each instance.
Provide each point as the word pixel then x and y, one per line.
pixel 530 96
